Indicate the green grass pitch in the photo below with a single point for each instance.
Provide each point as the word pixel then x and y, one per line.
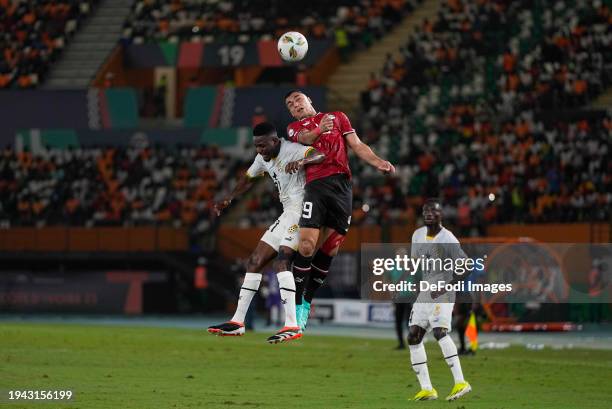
pixel 121 367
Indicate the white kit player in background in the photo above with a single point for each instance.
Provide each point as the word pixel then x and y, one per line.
pixel 284 161
pixel 433 310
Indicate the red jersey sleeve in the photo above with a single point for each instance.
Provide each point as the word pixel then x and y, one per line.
pixel 345 123
pixel 292 132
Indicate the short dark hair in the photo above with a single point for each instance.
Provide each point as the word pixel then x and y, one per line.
pixel 293 91
pixel 433 201
pixel 264 128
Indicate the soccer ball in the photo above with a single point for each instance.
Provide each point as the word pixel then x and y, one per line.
pixel 292 46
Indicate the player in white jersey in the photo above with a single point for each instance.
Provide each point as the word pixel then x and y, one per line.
pixel 434 309
pixel 284 162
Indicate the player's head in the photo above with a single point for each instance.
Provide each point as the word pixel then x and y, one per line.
pixel 432 212
pixel 299 104
pixel 266 140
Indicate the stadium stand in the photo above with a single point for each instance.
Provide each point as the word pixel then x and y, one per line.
pixel 33 35
pixel 350 23
pixel 472 83
pixel 451 60
pixel 112 186
pixel 468 85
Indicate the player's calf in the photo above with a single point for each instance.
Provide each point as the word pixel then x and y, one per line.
pixel 301 272
pixel 449 351
pixel 319 269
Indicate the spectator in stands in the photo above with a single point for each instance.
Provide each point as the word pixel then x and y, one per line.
pixel 259 116
pixel 33 35
pixel 473 133
pixel 301 77
pixel 356 24
pixel 111 186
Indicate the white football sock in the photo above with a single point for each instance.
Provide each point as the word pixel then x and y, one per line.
pixel 287 292
pixel 247 291
pixel 449 351
pixel 418 357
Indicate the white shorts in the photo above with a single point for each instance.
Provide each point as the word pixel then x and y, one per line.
pixel 428 315
pixel 285 231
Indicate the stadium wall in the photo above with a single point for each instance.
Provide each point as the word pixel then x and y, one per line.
pixel 95 239
pixel 36 113
pixel 83 292
pixel 200 55
pixel 41 109
pixel 234 242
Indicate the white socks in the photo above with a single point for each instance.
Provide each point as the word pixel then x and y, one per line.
pixel 418 357
pixel 247 291
pixel 449 351
pixel 250 287
pixel 286 284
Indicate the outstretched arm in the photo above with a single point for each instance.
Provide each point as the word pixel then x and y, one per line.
pixel 245 182
pixel 365 153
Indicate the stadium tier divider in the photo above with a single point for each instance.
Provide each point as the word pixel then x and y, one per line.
pixel 121 106
pixel 34 139
pixel 233 141
pixel 199 106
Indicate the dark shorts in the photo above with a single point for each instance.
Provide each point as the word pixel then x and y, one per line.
pixel 328 202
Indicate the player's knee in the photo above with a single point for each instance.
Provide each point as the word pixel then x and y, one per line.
pixel 439 333
pixel 282 261
pixel 307 247
pixel 415 335
pixel 254 263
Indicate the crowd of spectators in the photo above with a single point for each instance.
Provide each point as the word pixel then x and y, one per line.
pixel 32 34
pixel 526 171
pixel 112 186
pixel 462 110
pixel 569 66
pixel 349 23
pixel 513 56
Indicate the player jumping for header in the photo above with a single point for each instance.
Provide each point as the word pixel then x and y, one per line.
pixel 328 202
pixel 434 309
pixel 284 162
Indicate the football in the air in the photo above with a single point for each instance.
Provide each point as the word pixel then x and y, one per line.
pixel 292 46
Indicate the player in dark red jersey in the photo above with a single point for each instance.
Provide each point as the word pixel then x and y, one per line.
pixel 328 201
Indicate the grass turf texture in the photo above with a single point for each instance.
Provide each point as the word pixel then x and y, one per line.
pixel 120 367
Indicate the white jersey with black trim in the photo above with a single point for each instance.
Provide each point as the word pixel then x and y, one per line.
pixel 290 185
pixel 442 246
